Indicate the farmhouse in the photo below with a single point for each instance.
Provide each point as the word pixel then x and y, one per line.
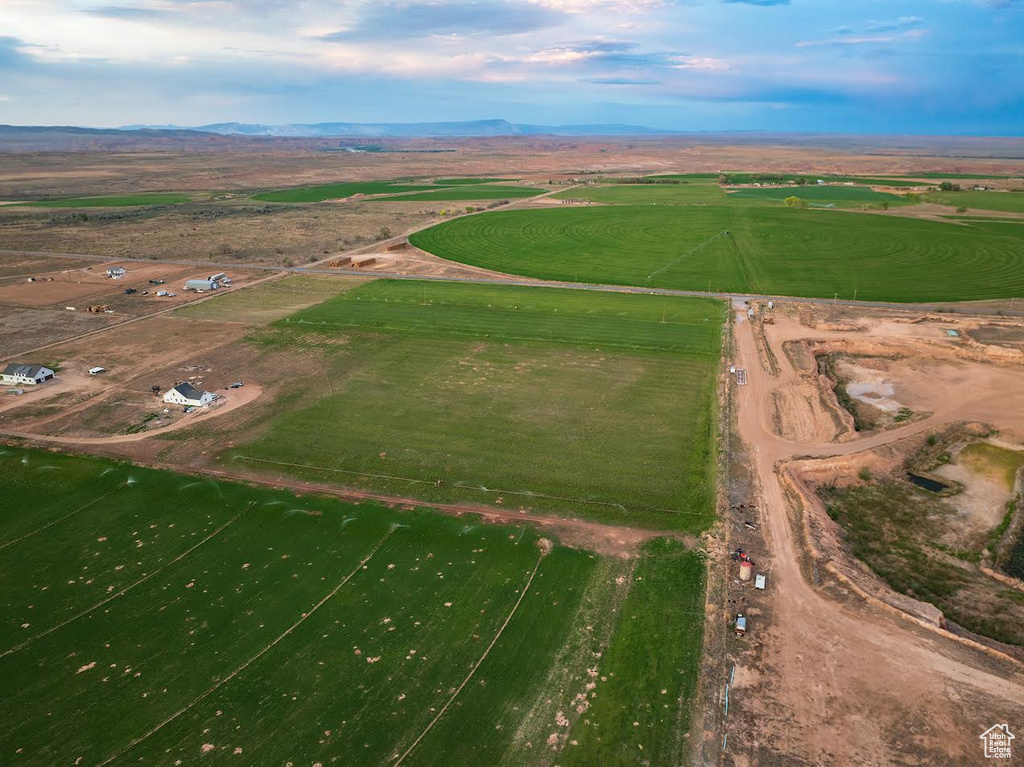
pixel 18 373
pixel 208 284
pixel 116 272
pixel 188 395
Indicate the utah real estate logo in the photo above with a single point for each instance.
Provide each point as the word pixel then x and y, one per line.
pixel 997 739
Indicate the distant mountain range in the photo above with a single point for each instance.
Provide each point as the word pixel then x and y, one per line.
pixel 408 130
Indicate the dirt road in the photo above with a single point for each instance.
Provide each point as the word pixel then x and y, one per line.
pixel 843 681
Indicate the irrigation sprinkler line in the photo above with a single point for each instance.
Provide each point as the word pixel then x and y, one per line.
pixel 128 588
pixel 476 665
pixel 691 251
pixel 339 471
pixel 61 519
pixel 254 658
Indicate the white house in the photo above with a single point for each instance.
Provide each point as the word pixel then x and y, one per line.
pixel 18 373
pixel 116 272
pixel 188 395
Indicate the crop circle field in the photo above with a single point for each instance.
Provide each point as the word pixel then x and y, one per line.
pixel 741 249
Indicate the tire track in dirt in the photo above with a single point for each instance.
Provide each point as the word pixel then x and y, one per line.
pixel 127 588
pixel 529 581
pixel 255 657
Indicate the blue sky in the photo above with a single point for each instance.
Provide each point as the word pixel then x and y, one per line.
pixel 871 66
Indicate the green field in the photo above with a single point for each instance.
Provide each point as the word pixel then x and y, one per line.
pixel 337 191
pixel 746 249
pixel 468 192
pixel 687 176
pixel 269 301
pixel 461 181
pixel 1010 202
pixel 173 619
pixel 810 179
pixel 551 400
pixel 840 196
pixel 650 194
pixel 115 201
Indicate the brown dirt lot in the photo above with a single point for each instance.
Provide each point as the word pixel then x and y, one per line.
pixel 834 665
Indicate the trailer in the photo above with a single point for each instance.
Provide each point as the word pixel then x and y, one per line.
pixel 741 624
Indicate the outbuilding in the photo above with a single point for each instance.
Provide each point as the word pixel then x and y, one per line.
pixel 18 373
pixel 202 285
pixel 188 395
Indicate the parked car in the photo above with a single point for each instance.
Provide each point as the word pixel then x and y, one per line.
pixel 156 282
pixel 130 291
pixel 236 385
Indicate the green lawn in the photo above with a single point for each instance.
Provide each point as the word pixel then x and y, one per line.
pixel 1011 202
pixel 337 191
pixel 551 400
pixel 650 194
pixel 115 201
pixel 840 196
pixel 468 192
pixel 175 619
pixel 748 249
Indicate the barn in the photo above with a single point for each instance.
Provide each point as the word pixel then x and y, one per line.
pixel 18 373
pixel 209 284
pixel 188 395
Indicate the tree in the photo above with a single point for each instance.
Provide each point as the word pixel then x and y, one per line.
pixel 885 205
pixel 948 186
pixel 796 202
pixel 962 209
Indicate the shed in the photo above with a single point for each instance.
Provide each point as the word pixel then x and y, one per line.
pixel 202 285
pixel 759 582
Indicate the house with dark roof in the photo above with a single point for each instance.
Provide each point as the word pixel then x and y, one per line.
pixel 188 395
pixel 20 373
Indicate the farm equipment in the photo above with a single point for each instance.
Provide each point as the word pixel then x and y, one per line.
pixel 130 291
pixel 156 282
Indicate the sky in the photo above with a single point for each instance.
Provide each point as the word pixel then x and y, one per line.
pixel 844 66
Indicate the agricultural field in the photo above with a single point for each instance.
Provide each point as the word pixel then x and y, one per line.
pixel 467 192
pixel 841 196
pixel 1009 202
pixel 461 181
pixel 174 618
pixel 336 191
pixel 747 249
pixel 114 201
pixel 650 194
pixel 526 398
pixel 810 179
pixel 270 301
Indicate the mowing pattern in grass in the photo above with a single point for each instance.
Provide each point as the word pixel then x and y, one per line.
pixel 648 194
pixel 1010 202
pixel 120 201
pixel 468 192
pixel 767 250
pixel 270 301
pixel 835 195
pixel 595 405
pixel 173 619
pixel 337 191
pixel 647 682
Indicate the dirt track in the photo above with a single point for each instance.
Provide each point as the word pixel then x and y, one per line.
pixel 843 679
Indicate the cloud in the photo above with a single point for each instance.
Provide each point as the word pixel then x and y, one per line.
pixel 584 6
pixel 702 63
pixel 875 32
pixel 619 81
pixel 128 13
pixel 393 19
